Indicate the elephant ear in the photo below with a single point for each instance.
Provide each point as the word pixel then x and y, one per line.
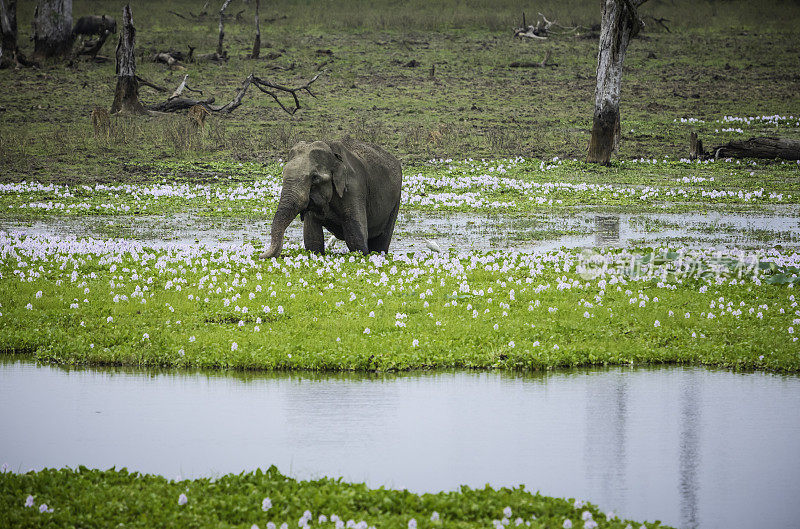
pixel 341 171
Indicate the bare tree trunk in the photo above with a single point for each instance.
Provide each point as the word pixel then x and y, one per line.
pixel 257 41
pixel 222 26
pixel 52 29
pixel 126 95
pixel 619 24
pixel 8 33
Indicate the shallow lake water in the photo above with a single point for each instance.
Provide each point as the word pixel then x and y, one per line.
pixel 688 446
pixel 463 231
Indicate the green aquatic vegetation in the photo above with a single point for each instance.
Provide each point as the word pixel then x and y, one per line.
pixel 121 303
pixel 268 499
pixel 517 185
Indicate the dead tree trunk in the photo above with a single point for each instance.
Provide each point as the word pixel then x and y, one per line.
pixel 8 33
pixel 769 148
pixel 222 27
pixel 619 24
pixel 52 29
pixel 126 95
pixel 257 42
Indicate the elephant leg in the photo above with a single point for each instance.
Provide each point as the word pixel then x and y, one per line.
pixel 382 241
pixel 355 233
pixel 312 234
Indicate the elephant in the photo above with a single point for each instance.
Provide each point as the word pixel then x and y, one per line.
pixel 347 186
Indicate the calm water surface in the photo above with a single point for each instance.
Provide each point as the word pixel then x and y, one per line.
pixel 690 447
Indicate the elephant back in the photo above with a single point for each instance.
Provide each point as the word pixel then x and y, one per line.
pixel 375 158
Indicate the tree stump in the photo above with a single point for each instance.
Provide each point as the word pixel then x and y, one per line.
pixel 8 33
pixel 126 95
pixel 52 29
pixel 619 24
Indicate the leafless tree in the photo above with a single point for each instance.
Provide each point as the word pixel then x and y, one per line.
pixel 620 23
pixel 257 41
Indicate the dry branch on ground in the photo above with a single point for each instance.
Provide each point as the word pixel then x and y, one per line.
pixel 175 102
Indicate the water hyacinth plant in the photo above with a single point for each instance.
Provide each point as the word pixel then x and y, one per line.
pixel 118 302
pixel 238 501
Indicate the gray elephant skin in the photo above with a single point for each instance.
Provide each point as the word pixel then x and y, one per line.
pixel 349 187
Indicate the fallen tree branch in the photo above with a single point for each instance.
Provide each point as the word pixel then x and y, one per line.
pixel 145 82
pixel 758 147
pixel 92 47
pixel 175 102
pixel 263 85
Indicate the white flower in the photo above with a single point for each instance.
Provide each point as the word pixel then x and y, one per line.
pixel 567 524
pixel 145 336
pixel 511 344
pixel 367 331
pixel 496 326
pixel 372 314
pixel 43 508
pixel 435 516
pixel 29 501
pixel 586 515
pixel 507 512
pixel 254 526
pixel 657 324
pixel 192 338
pixel 415 343
pixel 182 499
pixel 234 346
pixel 29 306
pixel 110 319
pixel 412 524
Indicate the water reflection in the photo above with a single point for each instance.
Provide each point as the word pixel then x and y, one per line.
pixel 691 447
pixel 606 230
pixel 605 454
pixel 534 231
pixel 689 460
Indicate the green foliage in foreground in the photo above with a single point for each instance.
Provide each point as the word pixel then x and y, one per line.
pixel 113 498
pixel 118 303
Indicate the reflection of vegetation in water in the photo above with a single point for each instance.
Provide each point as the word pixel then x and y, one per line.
pixel 752 234
pixel 652 224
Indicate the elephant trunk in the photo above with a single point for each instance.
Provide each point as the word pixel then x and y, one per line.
pixel 284 215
